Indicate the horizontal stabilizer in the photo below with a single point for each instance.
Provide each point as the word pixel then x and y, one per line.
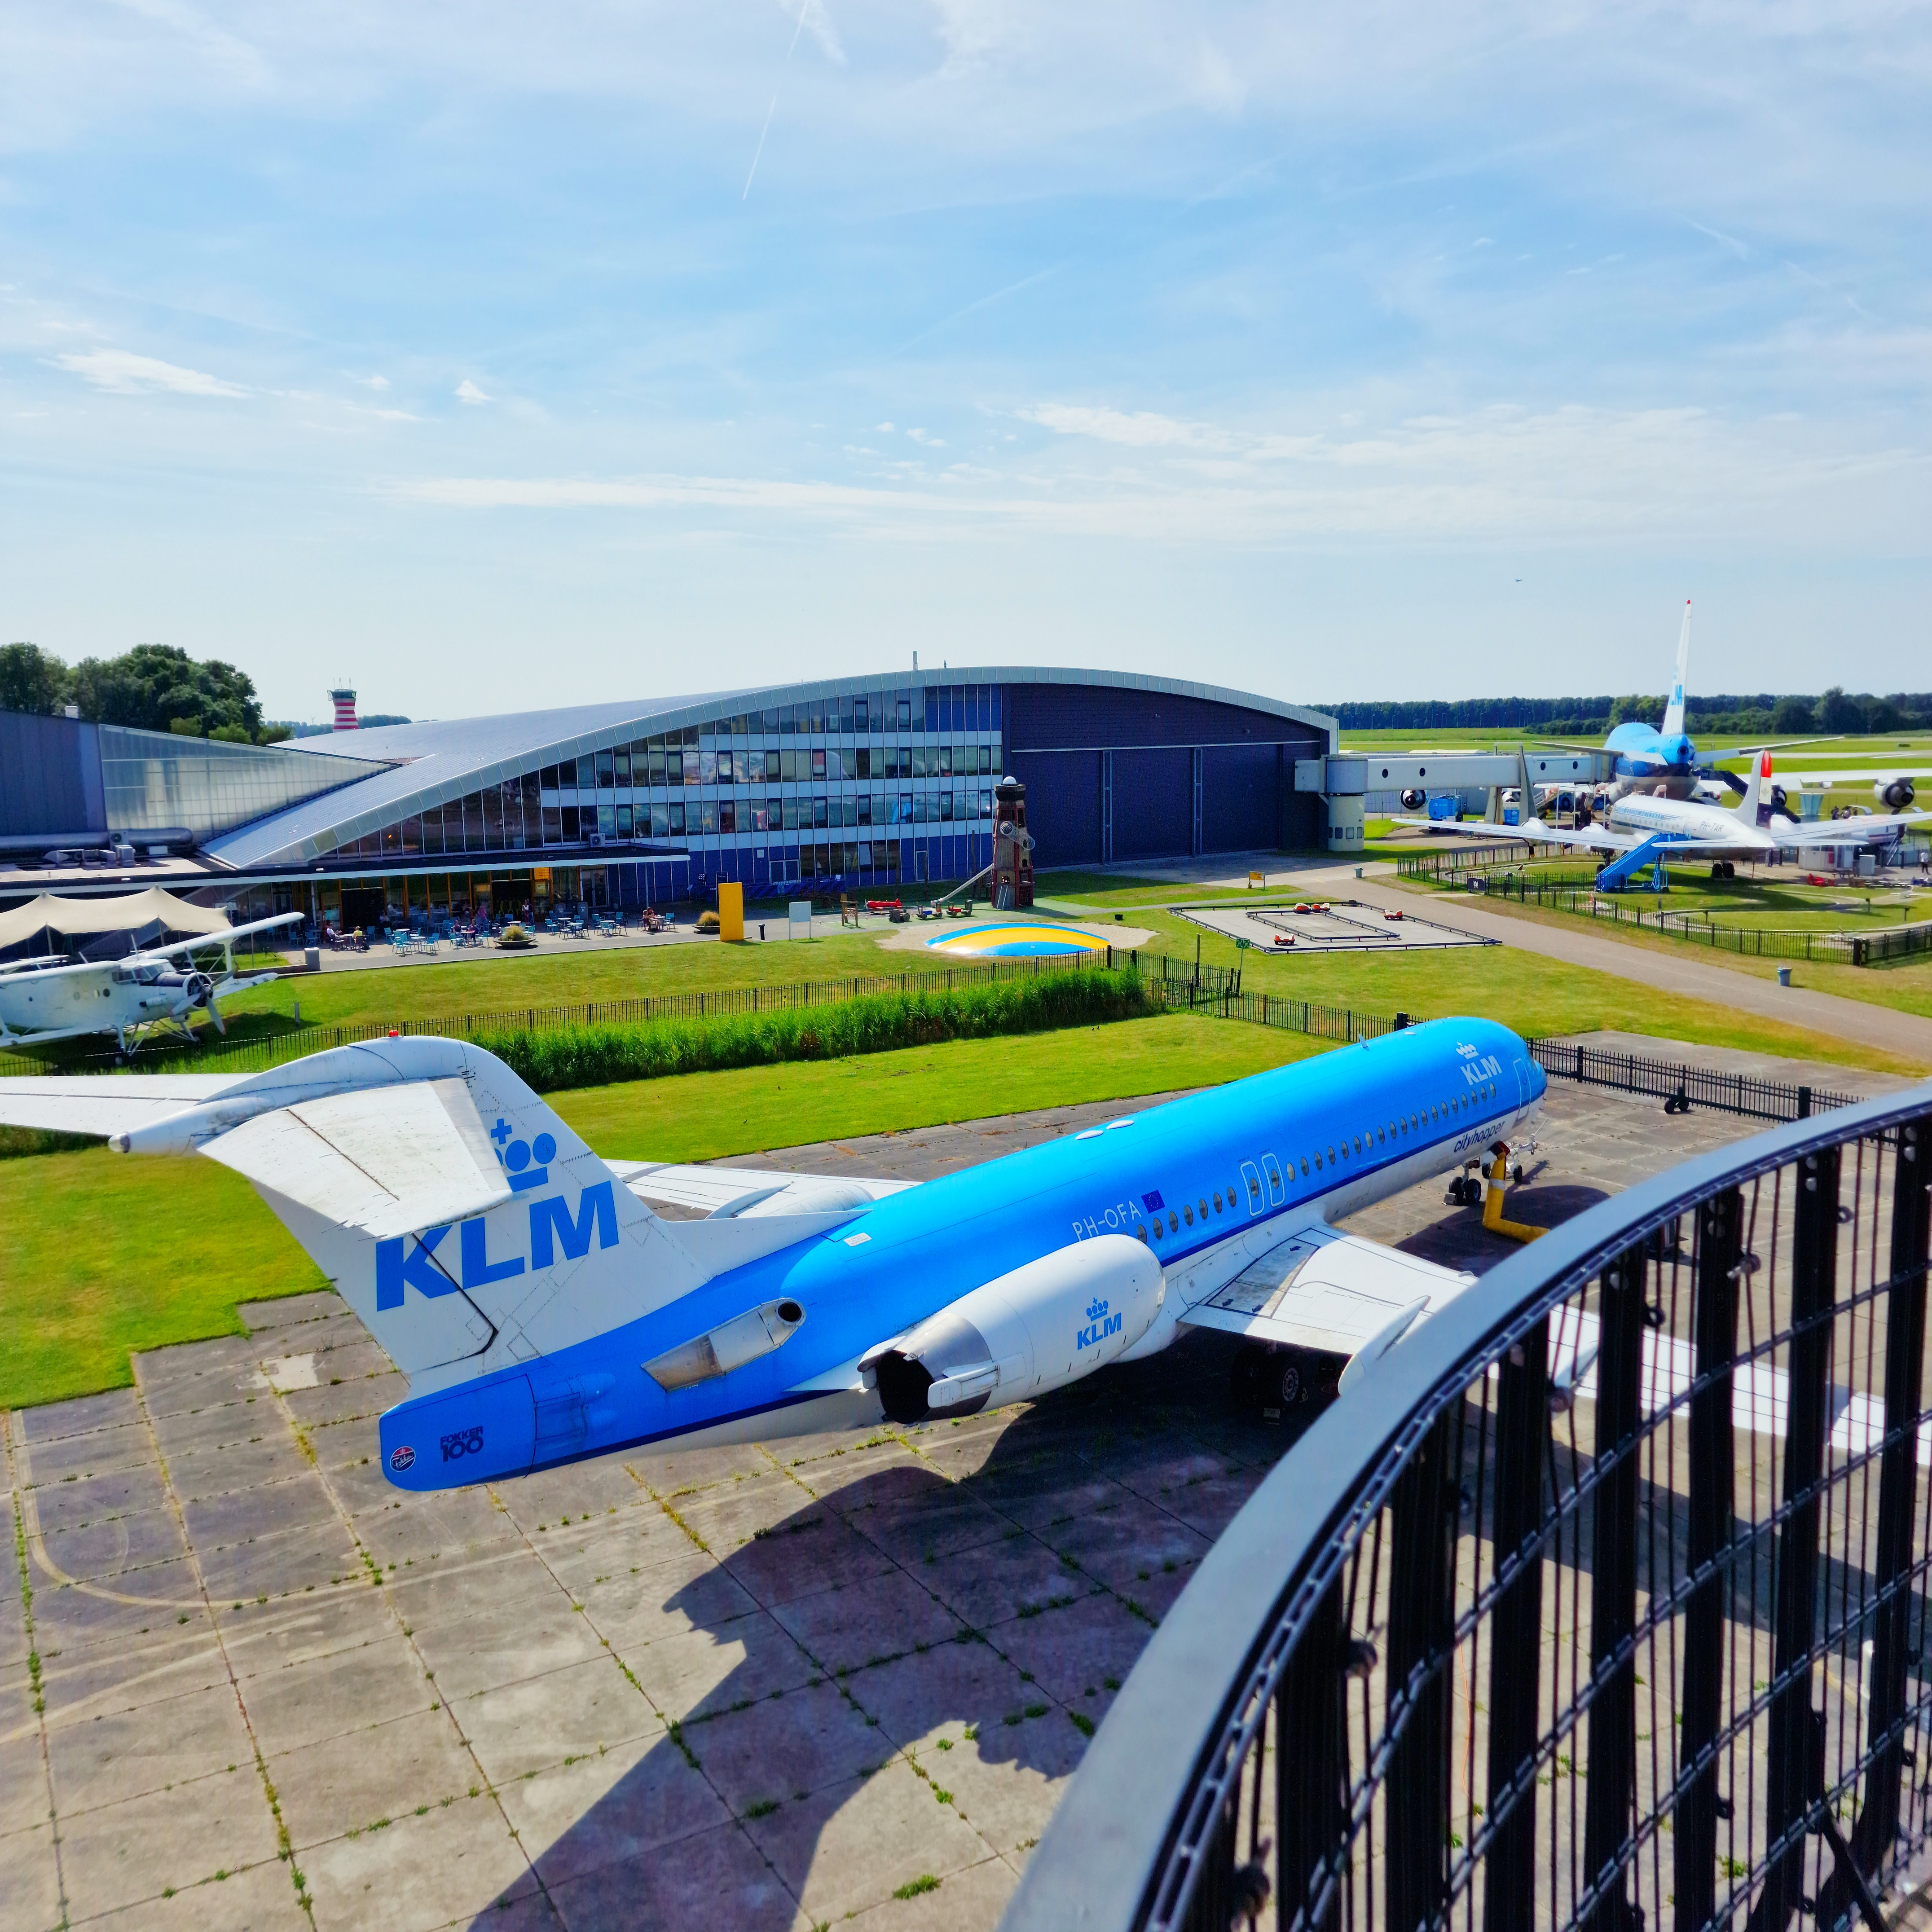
pixel 386 1160
pixel 106 1103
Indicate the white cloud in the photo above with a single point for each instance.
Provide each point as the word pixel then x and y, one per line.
pixel 884 428
pixel 379 383
pixel 122 372
pixel 1567 477
pixel 467 391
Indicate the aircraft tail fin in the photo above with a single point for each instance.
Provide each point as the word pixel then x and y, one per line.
pixel 1673 712
pixel 463 1222
pixel 1754 807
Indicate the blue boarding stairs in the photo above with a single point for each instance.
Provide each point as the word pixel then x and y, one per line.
pixel 1617 875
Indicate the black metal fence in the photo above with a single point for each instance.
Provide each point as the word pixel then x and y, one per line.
pixel 1693 1086
pixel 1488 872
pixel 1599 1602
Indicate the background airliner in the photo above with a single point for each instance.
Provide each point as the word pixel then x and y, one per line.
pixel 1645 828
pixel 543 1311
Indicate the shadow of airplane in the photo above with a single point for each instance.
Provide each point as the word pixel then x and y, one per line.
pixel 898 1667
pixel 940 1618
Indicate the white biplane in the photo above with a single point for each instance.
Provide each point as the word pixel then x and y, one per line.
pixel 153 988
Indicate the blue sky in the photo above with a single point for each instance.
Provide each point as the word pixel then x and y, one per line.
pixel 1375 350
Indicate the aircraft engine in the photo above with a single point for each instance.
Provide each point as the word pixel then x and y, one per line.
pixel 811 1194
pixel 1042 1326
pixel 194 987
pixel 1894 794
pixel 1413 799
pixel 1779 804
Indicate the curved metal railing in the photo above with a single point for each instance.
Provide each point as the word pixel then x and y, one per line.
pixel 1599 1603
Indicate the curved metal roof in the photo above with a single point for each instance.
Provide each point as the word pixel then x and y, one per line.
pixel 444 759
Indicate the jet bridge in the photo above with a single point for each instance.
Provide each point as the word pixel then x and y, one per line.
pixel 1353 784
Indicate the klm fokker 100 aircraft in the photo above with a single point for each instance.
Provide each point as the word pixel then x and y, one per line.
pixel 543 1311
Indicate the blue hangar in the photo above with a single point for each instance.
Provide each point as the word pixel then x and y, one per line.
pixel 846 784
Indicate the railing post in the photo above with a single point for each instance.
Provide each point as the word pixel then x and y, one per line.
pixel 1516 1632
pixel 1421 1634
pixel 1612 1768
pixel 1789 1772
pixel 1312 1763
pixel 1714 1322
pixel 1873 1837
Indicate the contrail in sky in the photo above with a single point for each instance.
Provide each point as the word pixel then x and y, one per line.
pixel 805 7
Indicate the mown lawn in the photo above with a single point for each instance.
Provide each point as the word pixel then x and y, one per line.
pixel 102 1253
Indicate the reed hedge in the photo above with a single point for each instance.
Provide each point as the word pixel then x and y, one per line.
pixel 594 1056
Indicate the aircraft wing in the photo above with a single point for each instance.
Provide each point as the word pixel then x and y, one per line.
pixel 199 942
pixel 106 1103
pixel 728 1192
pixel 1845 831
pixel 1869 776
pixel 1333 1293
pixel 1533 832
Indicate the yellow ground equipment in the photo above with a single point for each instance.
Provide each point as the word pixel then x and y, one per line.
pixel 1492 1202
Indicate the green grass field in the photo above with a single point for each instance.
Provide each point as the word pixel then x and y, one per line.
pixel 100 1253
pixel 1905 984
pixel 1534 995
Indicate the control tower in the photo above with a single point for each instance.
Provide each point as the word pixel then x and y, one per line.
pixel 344 701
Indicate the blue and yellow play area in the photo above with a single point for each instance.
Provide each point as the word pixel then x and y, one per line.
pixel 1016 939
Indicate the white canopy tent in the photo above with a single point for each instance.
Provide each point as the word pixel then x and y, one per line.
pixel 130 912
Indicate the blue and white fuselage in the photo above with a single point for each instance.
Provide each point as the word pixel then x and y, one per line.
pixel 1199 1187
pixel 545 1307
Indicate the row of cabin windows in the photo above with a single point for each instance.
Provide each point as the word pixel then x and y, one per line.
pixel 1414 1123
pixel 1187 1209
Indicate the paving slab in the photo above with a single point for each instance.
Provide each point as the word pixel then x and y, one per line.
pixel 30 1880
pixel 292 1704
pixel 124 1854
pixel 717 1878
pixel 454 1862
pixel 537 1722
pixel 697 1672
pixel 121 1754
pixel 262 1899
pixel 851 1845
pixel 356 1779
pixel 611 1805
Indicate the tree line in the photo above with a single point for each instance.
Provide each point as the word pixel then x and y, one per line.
pixel 152 687
pixel 1837 712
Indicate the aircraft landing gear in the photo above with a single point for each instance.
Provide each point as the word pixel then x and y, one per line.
pixel 1465 1191
pixel 1274 1379
pixel 1723 868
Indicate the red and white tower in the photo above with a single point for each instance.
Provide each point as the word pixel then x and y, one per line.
pixel 345 710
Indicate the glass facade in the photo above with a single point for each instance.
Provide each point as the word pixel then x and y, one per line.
pixel 867 788
pixel 154 782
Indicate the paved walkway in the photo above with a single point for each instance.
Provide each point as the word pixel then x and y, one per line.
pixel 1885 1028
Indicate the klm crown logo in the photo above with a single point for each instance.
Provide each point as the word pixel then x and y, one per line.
pixel 1099 1325
pixel 527 1163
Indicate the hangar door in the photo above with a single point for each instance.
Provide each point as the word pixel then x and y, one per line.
pixel 1237 798
pixel 1153 803
pixel 1062 806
